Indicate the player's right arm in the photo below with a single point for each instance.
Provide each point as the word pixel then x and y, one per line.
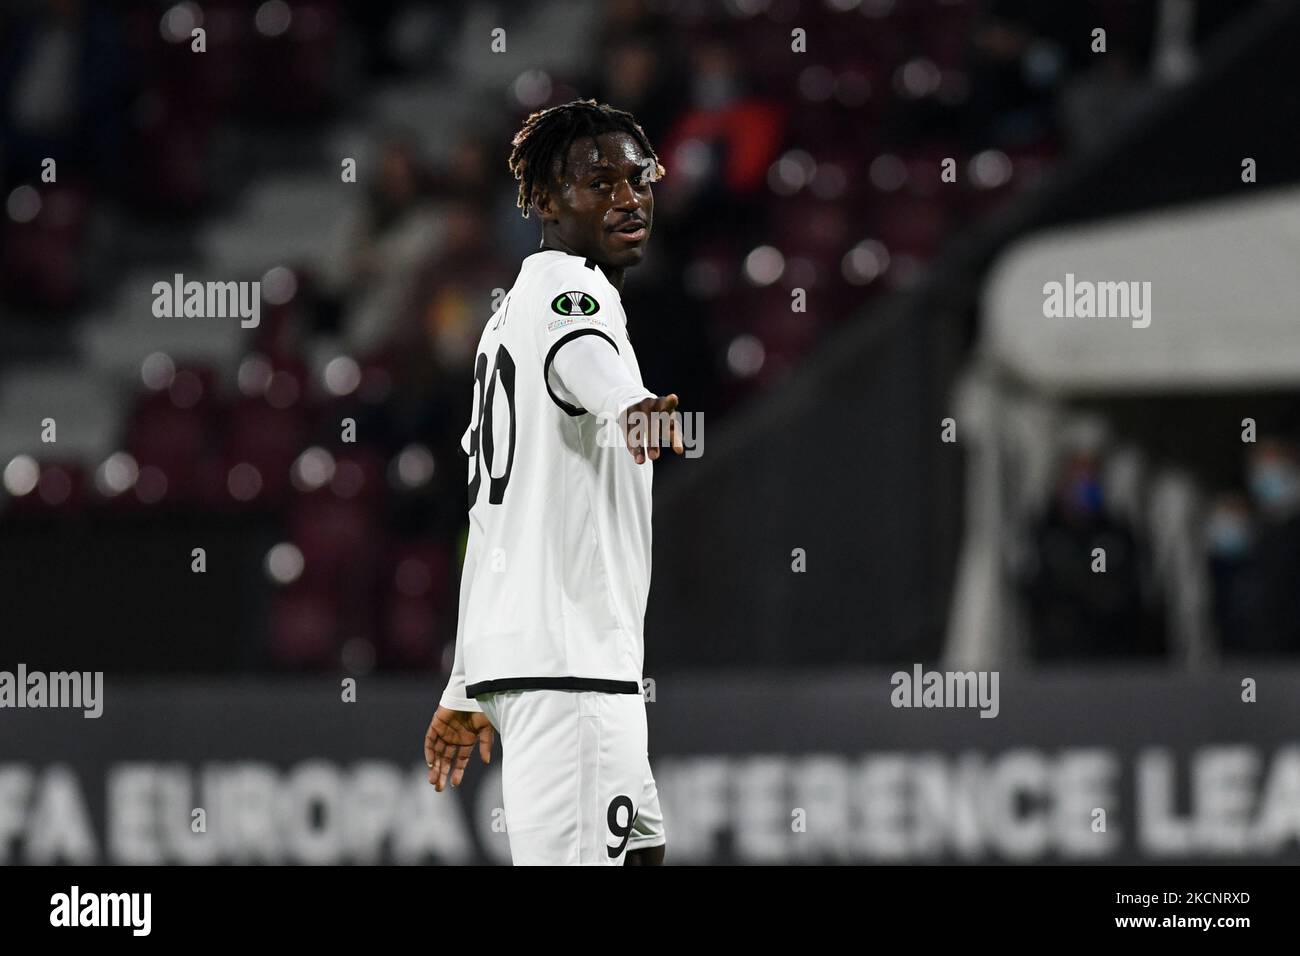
pixel 459 721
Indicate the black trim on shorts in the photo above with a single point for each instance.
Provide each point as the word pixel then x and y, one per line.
pixel 554 683
pixel 571 410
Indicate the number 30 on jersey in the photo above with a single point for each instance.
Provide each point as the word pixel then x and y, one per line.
pixel 482 453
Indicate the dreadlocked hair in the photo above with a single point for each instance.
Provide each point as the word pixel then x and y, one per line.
pixel 548 134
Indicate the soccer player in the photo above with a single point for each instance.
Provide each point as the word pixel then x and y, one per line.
pixel 550 642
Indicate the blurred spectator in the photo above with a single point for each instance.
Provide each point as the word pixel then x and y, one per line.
pixel 1229 532
pixel 1025 54
pixel 1013 67
pixel 472 172
pixel 719 151
pixel 638 75
pixel 436 327
pixel 63 71
pixel 1264 600
pixel 452 293
pixel 391 232
pixel 1076 611
pixel 1096 104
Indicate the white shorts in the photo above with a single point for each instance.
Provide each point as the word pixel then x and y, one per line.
pixel 575 776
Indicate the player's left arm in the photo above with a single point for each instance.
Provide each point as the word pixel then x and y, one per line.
pixel 588 368
pixel 644 424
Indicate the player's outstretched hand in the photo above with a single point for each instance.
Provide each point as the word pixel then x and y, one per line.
pixel 450 740
pixel 645 428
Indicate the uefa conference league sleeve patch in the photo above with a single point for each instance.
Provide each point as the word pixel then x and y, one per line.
pixel 576 315
pixel 574 308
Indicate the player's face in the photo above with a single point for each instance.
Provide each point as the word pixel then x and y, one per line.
pixel 604 208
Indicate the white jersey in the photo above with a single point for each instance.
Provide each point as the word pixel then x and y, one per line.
pixel 557 567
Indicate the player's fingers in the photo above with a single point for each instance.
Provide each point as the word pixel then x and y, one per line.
pixel 435 772
pixel 668 404
pixel 451 767
pixel 444 752
pixel 430 747
pixel 485 744
pixel 440 766
pixel 661 411
pixel 652 439
pixel 443 769
pixel 634 437
pixel 432 754
pixel 443 747
pixel 462 761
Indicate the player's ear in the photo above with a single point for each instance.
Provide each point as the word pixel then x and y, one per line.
pixel 542 203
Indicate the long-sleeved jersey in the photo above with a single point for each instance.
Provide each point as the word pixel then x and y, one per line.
pixel 557 566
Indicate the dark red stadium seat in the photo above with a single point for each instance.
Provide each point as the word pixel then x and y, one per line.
pixel 267 438
pixel 64 488
pixel 412 639
pixel 41 261
pixel 338 538
pixel 304 630
pixel 173 440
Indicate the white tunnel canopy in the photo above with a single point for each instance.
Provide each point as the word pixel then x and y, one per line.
pixel 1224 300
